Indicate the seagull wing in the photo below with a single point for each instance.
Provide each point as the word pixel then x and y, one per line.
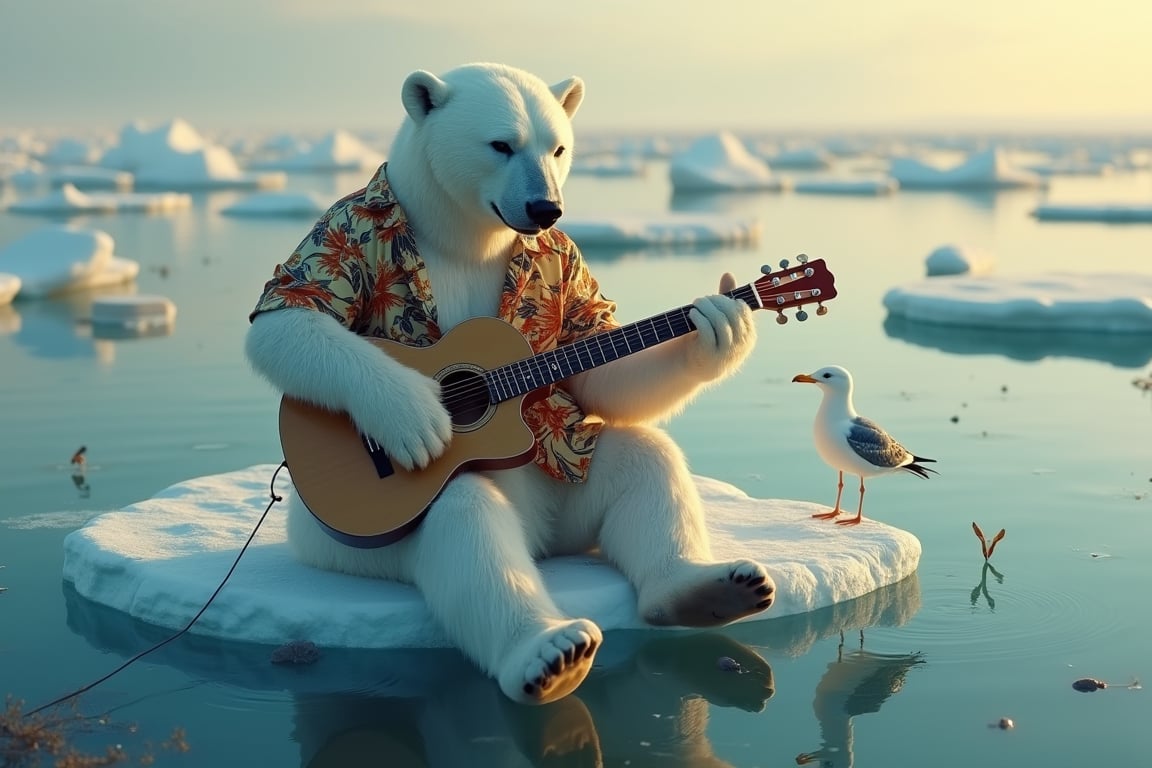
pixel 876 446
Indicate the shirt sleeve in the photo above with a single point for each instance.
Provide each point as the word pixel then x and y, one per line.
pixel 324 274
pixel 586 311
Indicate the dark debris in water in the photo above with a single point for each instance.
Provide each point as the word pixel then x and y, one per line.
pixel 1091 684
pixel 296 652
pixel 728 664
pixel 1088 684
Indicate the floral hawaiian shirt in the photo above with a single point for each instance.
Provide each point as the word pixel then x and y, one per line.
pixel 360 265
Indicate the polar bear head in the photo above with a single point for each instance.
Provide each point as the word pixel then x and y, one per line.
pixel 489 146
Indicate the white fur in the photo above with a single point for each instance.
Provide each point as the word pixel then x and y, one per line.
pixel 473 556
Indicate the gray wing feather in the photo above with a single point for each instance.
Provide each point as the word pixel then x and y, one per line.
pixel 876 446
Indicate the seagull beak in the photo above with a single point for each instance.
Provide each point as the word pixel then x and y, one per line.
pixel 803 378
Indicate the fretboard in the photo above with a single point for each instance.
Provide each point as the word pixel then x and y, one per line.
pixel 532 373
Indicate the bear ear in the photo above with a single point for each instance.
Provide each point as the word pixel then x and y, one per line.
pixel 423 92
pixel 569 93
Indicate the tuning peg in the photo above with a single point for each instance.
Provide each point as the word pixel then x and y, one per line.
pixel 783 263
pixel 781 318
pixel 801 315
pixel 802 258
pixel 821 310
pixel 766 269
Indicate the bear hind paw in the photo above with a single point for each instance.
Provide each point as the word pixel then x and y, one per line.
pixel 550 665
pixel 714 595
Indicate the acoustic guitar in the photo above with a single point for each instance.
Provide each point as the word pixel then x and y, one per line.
pixel 488 374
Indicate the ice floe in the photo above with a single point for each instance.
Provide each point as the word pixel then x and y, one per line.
pixel 844 185
pixel 158 560
pixel 136 314
pixel 1112 213
pixel 60 259
pixel 686 229
pixel 174 156
pixel 335 151
pixel 68 200
pixel 277 204
pixel 9 286
pixel 959 260
pixel 1100 303
pixel 987 169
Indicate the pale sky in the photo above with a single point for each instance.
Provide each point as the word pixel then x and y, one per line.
pixel 289 65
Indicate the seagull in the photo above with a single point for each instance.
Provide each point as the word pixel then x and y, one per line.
pixel 851 443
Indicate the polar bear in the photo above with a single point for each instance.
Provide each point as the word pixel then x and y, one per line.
pixel 463 213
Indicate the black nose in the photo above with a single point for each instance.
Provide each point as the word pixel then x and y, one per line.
pixel 543 212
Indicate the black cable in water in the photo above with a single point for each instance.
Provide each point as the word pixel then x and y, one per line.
pixel 162 643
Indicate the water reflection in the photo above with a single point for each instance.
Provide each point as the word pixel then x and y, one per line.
pixel 649 699
pixel 1123 350
pixel 981 588
pixel 856 683
pixel 60 327
pixel 9 320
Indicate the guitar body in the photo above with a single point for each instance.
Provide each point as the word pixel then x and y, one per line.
pixel 358 495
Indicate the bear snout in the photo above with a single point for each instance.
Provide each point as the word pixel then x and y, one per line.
pixel 543 213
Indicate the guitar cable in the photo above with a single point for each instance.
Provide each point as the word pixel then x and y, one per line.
pixel 275 498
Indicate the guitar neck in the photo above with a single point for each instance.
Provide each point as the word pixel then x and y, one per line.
pixel 540 370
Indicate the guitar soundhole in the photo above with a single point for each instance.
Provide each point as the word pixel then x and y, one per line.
pixel 466 398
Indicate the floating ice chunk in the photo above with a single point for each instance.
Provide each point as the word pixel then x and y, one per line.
pixel 274 204
pixel 1112 303
pixel 9 287
pixel 989 169
pixel 686 229
pixel 59 259
pixel 209 167
pixel 1117 213
pixel 336 151
pixel 140 145
pixel 845 185
pixel 140 314
pixel 69 200
pixel 609 166
pixel 720 162
pixel 160 559
pixel 959 260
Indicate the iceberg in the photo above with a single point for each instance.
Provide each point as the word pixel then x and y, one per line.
pixel 720 162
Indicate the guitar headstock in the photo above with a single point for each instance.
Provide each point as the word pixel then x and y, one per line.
pixel 808 282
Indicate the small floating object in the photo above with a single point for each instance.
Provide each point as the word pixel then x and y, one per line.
pixel 78 458
pixel 1004 724
pixel 985 547
pixel 1091 684
pixel 728 664
pixel 296 652
pixel 139 314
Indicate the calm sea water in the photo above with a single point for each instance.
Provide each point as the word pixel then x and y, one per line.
pixel 1043 436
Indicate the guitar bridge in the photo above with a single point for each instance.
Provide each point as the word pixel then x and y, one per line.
pixel 380 459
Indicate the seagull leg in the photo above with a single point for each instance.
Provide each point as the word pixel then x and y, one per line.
pixel 859 510
pixel 836 510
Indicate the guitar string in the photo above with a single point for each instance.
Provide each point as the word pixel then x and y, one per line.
pixel 458 394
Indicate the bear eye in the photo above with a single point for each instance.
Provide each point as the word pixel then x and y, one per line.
pixel 502 147
pixel 559 151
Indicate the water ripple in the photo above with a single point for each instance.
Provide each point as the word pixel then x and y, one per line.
pixel 994 620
